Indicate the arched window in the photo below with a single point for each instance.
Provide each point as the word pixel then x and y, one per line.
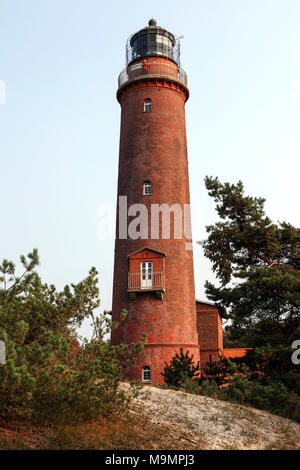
pixel 147 105
pixel 147 189
pixel 146 376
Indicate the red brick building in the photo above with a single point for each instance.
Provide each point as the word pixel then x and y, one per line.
pixel 153 267
pixel 210 333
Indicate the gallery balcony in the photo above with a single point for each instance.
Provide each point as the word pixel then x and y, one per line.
pixel 154 68
pixel 140 282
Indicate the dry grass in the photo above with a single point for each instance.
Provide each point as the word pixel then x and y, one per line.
pixel 162 419
pixel 129 431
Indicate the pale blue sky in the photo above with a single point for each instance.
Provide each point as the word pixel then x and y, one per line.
pixel 59 128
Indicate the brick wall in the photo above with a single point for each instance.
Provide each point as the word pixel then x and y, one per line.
pixel 210 335
pixel 235 352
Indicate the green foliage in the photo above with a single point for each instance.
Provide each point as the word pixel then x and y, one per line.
pixel 257 263
pixel 257 380
pixel 181 370
pixel 218 371
pixel 210 388
pixel 270 363
pixel 273 396
pixel 49 376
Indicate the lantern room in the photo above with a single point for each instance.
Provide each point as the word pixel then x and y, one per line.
pixel 153 41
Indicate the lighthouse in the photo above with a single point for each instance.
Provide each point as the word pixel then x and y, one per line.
pixel 153 264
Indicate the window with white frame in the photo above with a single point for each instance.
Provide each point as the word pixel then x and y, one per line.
pixel 148 105
pixel 146 274
pixel 147 190
pixel 146 376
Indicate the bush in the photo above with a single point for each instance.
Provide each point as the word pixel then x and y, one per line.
pixel 49 376
pixel 181 370
pixel 219 371
pixel 252 387
pixel 210 388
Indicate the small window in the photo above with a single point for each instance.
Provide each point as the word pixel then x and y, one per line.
pixel 147 191
pixel 146 377
pixel 147 105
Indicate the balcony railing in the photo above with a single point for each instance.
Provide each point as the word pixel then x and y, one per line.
pixel 154 68
pixel 141 281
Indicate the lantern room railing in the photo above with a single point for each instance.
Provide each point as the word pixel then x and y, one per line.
pixel 152 67
pixel 153 281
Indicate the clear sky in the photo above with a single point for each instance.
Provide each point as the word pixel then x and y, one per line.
pixel 59 128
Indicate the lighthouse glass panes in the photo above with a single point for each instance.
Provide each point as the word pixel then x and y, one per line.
pixel 164 46
pixel 147 105
pixel 146 274
pixel 146 376
pixel 147 188
pixel 152 43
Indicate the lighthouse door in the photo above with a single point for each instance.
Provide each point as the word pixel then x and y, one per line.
pixel 146 275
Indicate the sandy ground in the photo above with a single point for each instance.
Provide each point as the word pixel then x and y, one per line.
pixel 215 424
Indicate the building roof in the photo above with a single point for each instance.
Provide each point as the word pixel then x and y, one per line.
pixel 222 310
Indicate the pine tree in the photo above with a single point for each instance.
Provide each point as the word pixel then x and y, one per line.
pixel 49 376
pixel 218 371
pixel 257 263
pixel 180 369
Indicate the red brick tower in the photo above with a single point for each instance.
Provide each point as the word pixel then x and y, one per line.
pixel 153 275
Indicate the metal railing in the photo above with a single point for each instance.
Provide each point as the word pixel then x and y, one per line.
pixel 152 67
pixel 154 280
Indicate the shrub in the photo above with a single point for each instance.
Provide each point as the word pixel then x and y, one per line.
pixel 219 371
pixel 254 387
pixel 49 376
pixel 181 370
pixel 211 389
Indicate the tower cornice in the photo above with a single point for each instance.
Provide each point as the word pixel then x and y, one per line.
pixel 153 82
pixel 153 73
